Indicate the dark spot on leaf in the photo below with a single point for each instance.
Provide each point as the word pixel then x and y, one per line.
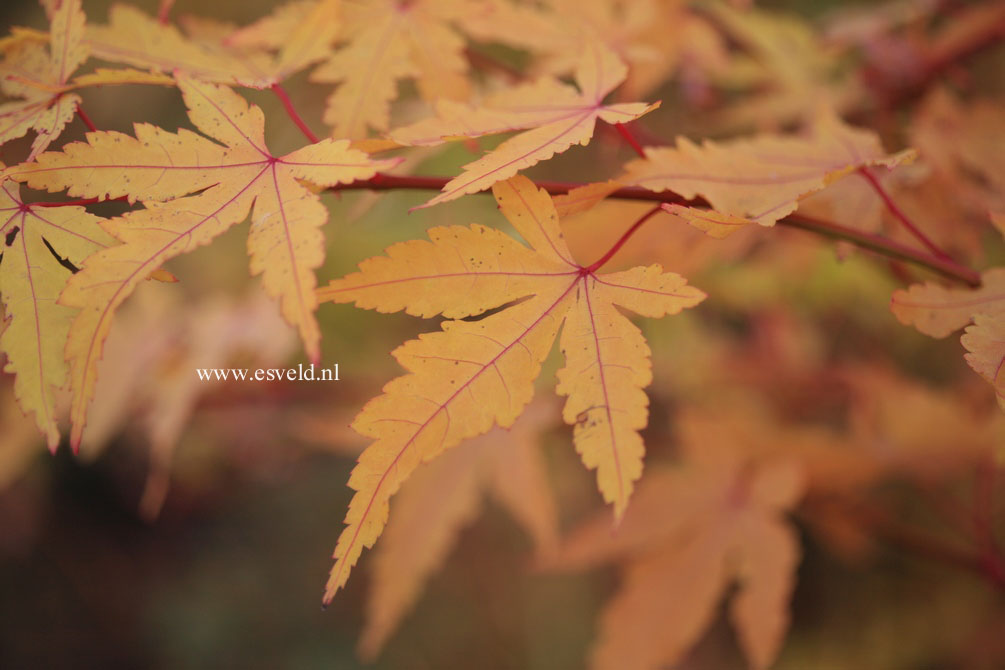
pixel 11 236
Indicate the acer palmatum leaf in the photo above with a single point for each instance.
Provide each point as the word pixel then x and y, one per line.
pixel 554 116
pixel 938 311
pixel 716 519
pixel 285 244
pixel 759 179
pixel 445 495
pixel 37 75
pixel 473 375
pixel 42 248
pixel 387 41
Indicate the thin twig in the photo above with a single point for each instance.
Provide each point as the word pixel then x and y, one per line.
pixel 870 241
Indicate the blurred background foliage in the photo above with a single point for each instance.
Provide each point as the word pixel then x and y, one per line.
pixel 225 567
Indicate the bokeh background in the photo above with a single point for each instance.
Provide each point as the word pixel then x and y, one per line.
pixel 211 549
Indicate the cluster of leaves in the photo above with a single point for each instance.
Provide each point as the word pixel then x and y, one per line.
pixel 714 514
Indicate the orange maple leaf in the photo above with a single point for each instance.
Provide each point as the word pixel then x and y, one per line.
pixel 285 243
pixel 693 530
pixel 759 179
pixel 472 375
pixel 557 116
pixel 938 311
pixel 445 495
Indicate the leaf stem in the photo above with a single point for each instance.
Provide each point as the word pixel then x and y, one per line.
pixel 876 243
pixel 86 119
pixel 632 142
pixel 624 238
pixel 899 213
pixel 291 111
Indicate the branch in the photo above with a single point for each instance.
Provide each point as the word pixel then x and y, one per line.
pixel 877 243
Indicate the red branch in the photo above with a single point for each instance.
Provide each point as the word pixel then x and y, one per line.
pixel 625 133
pixel 900 215
pixel 292 112
pixel 877 243
pixel 86 119
pixel 624 238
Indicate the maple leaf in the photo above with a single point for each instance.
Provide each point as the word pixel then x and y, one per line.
pixel 285 243
pixel 557 116
pixel 137 39
pixel 938 311
pixel 653 37
pixel 391 40
pixel 760 179
pixel 952 137
pixel 445 495
pixel 474 374
pixel 42 248
pixel 691 531
pixel 41 78
pixel 37 76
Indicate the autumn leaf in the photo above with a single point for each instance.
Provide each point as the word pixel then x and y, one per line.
pixel 475 374
pixel 388 41
pixel 555 116
pixel 41 79
pixel 37 75
pixel 692 531
pixel 938 311
pixel 445 495
pixel 653 37
pixel 134 38
pixel 42 248
pixel 285 244
pixel 761 179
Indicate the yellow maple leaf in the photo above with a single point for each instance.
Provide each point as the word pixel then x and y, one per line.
pixel 134 38
pixel 301 32
pixel 476 374
pixel 938 311
pixel 759 179
pixel 36 74
pixel 42 248
pixel 557 116
pixel 388 41
pixel 285 243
